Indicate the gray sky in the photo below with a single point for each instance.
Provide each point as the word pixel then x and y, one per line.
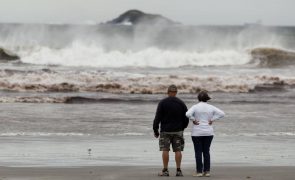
pixel 190 12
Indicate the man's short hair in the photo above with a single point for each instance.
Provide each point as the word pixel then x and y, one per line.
pixel 172 88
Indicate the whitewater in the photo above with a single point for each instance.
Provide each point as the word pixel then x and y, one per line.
pixel 144 59
pixel 133 46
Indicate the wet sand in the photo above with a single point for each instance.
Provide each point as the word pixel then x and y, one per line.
pixel 144 173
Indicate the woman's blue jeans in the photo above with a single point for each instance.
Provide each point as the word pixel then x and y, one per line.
pixel 202 148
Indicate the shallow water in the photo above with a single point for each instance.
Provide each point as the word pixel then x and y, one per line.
pixel 258 129
pixel 126 114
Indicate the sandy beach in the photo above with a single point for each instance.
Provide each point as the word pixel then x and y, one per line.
pixel 143 172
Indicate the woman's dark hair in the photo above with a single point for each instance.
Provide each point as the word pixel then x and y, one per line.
pixel 203 96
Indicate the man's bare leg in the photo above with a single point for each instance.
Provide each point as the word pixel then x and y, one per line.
pixel 165 157
pixel 178 158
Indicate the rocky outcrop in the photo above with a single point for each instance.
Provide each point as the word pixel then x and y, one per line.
pixel 273 56
pixel 6 55
pixel 136 17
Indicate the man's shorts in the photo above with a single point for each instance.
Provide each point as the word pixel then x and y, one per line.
pixel 174 138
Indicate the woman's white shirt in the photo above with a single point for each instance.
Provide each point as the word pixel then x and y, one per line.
pixel 203 113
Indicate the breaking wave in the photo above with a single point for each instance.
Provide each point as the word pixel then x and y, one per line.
pixel 47 80
pixel 73 134
pixel 273 57
pixel 261 134
pixel 40 134
pixel 93 56
pixel 132 46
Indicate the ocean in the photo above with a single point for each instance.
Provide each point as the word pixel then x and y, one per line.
pixel 83 95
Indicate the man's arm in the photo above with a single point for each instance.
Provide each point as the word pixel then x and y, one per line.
pixel 186 119
pixel 157 121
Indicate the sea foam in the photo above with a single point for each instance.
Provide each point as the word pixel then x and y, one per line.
pixel 79 54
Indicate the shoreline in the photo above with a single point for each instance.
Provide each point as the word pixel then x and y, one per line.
pixel 144 172
pixel 139 151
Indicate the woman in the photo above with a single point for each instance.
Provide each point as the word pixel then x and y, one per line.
pixel 203 115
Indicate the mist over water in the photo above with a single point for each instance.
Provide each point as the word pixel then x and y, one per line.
pixel 139 46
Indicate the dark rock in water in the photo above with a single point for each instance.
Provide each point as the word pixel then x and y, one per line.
pixel 6 55
pixel 273 57
pixel 136 17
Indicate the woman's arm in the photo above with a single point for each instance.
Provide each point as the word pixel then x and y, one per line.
pixel 191 113
pixel 217 114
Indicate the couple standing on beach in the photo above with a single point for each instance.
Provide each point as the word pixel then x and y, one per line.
pixel 173 117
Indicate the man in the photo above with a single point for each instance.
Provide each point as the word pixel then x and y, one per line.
pixel 171 115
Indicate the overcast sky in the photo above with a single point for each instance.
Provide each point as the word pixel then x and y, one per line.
pixel 190 12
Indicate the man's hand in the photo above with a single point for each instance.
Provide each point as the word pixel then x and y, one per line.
pixel 156 134
pixel 196 122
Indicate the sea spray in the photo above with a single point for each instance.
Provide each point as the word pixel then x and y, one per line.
pixel 138 46
pixel 94 56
